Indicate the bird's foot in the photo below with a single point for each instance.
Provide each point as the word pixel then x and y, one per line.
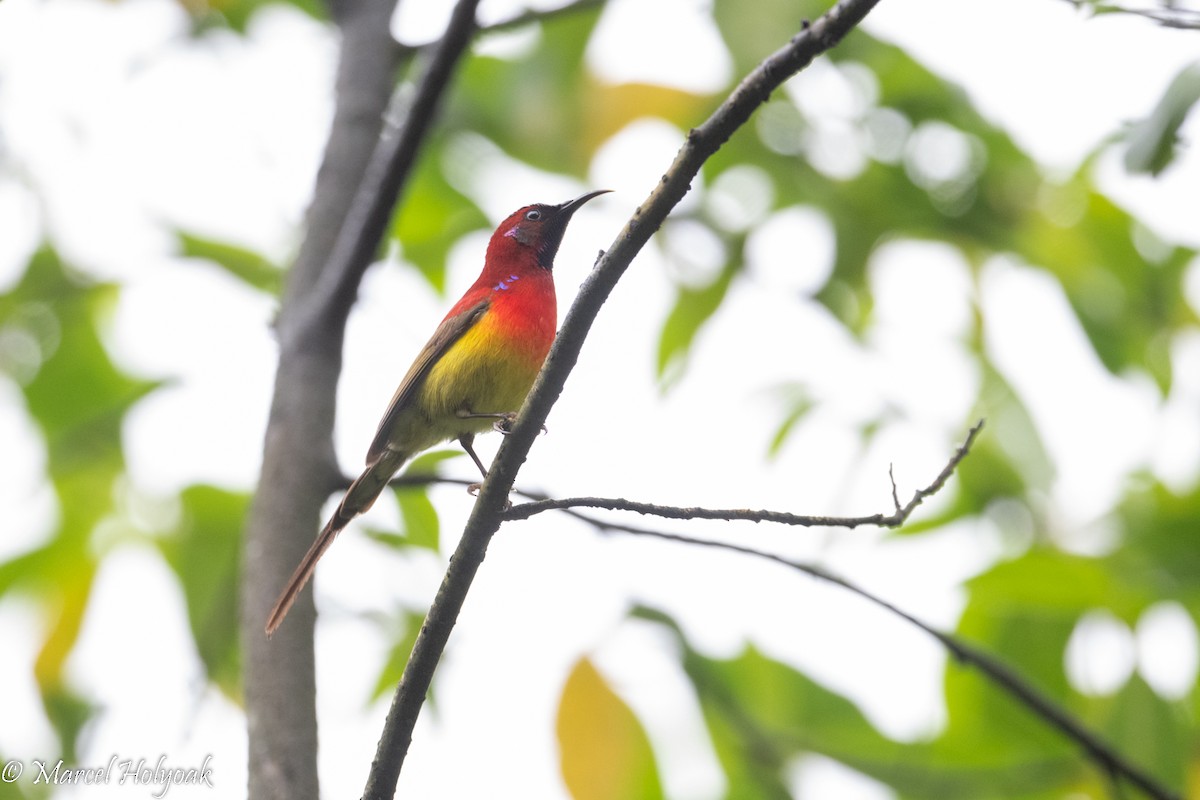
pixel 473 490
pixel 504 422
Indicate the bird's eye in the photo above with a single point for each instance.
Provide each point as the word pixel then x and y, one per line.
pixel 533 214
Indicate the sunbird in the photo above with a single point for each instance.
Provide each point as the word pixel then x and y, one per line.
pixel 472 374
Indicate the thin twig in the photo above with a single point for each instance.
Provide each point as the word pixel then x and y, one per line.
pixel 1114 766
pixel 895 489
pixel 1108 760
pixel 515 21
pixel 390 165
pixel 1106 757
pixel 1168 17
pixel 892 520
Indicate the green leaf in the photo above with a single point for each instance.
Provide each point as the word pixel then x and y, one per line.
pixel 1160 552
pixel 799 403
pixel 603 751
pixel 204 551
pixel 76 394
pixel 14 790
pixel 236 14
pixel 538 109
pixel 1151 733
pixel 78 398
pixel 429 463
pixel 751 37
pixel 1124 302
pixel 433 217
pixel 420 525
pixel 397 659
pixel 69 713
pixel 763 714
pixel 1153 141
pixel 246 265
pixel 1048 581
pixel 693 307
pixel 419 518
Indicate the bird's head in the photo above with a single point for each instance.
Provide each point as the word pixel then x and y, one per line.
pixel 540 228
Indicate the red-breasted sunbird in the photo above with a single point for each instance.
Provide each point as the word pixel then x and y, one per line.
pixel 472 374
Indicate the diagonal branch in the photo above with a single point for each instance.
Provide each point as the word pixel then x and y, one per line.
pixel 386 174
pixel 394 156
pixel 1112 762
pixel 892 520
pixel 298 459
pixel 515 21
pixel 540 501
pixel 486 516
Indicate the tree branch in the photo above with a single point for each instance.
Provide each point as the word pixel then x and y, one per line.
pixel 298 457
pixel 393 158
pixel 1168 16
pixel 1114 765
pixel 515 21
pixel 391 162
pixel 486 516
pixel 892 520
pixel 1102 754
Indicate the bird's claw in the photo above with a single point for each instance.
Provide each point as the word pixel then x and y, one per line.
pixel 505 422
pixel 473 490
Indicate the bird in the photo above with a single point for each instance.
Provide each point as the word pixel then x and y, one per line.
pixel 472 374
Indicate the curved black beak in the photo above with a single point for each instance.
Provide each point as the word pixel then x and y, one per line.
pixel 571 206
pixel 556 226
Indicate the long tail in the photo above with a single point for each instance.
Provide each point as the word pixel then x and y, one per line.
pixel 359 497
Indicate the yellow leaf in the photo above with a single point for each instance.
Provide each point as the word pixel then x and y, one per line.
pixel 604 752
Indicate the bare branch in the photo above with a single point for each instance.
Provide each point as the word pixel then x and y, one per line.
pixel 390 164
pixel 1168 15
pixel 892 520
pixel 393 159
pixel 1103 755
pixel 486 516
pixel 515 21
pixel 298 458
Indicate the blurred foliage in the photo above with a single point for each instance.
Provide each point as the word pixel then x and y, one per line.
pixel 419 522
pixel 204 550
pixel 435 217
pixel 77 398
pixel 236 14
pixel 1153 141
pixel 1168 13
pixel 917 162
pixel 246 265
pixel 603 750
pixel 397 658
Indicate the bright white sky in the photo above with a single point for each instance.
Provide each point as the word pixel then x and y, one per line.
pixel 222 137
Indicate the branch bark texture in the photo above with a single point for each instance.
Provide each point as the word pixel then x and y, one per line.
pixel 487 515
pixel 363 171
pixel 391 163
pixel 299 468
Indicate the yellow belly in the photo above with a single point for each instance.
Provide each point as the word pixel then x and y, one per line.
pixel 481 373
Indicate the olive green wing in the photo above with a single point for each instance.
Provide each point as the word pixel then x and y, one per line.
pixel 449 332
